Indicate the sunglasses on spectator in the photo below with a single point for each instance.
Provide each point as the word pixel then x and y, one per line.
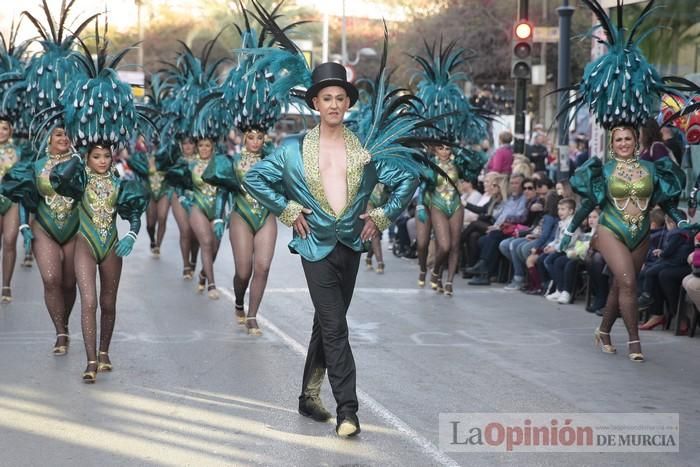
pixel 528 187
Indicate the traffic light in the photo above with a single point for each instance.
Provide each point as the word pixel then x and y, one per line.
pixel 521 61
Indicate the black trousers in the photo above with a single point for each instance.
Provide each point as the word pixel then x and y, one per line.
pixel 331 284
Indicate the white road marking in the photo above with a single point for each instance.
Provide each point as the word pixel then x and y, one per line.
pixel 386 290
pixel 427 447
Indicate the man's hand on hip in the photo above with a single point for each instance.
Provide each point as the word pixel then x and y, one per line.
pixel 300 225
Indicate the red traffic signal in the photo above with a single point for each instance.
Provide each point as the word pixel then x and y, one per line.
pixel 521 59
pixel 523 30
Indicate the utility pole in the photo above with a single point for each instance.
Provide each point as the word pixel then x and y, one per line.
pixel 564 80
pixel 344 39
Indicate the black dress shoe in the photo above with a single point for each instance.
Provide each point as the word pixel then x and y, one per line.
pixel 599 312
pixel 347 426
pixel 477 268
pixel 313 408
pixel 480 280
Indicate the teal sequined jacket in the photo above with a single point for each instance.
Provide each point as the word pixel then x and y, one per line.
pixel 289 180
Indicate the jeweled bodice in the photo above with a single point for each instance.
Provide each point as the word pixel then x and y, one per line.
pixel 100 200
pixel 8 158
pixel 246 161
pixel 443 187
pixel 630 182
pixel 59 205
pixel 200 185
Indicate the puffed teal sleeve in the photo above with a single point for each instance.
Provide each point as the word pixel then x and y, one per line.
pixel 68 178
pixel 165 158
pixel 138 162
pixel 470 163
pixel 402 179
pixel 262 182
pixel 18 184
pixel 180 175
pixel 220 173
pixel 132 202
pixel 669 182
pixel 589 183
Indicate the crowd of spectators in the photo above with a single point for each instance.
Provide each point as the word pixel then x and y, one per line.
pixel 515 218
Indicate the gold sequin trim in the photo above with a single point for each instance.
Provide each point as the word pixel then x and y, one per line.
pixel 356 158
pixel 290 213
pixel 380 219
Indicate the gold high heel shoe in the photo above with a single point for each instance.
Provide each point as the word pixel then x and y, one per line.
pixel 103 366
pixel 380 268
pixel 252 331
pixel 187 273
pixel 89 376
pixel 368 264
pixel 448 289
pixel 212 293
pixel 434 278
pixel 421 279
pixel 6 297
pixel 635 356
pixel 240 314
pixel 61 349
pixel 606 348
pixel 202 282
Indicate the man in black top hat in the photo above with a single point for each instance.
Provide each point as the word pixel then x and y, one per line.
pixel 321 189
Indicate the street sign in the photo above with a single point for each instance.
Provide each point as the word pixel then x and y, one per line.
pixel 539 75
pixel 546 34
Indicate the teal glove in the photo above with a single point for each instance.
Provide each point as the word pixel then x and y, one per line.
pixel 26 232
pixel 685 225
pixel 422 213
pixel 219 228
pixel 565 242
pixel 125 245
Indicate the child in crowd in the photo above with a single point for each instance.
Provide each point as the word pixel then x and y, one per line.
pixel 540 261
pixel 566 266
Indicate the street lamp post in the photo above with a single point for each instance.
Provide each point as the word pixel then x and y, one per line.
pixel 564 80
pixel 140 28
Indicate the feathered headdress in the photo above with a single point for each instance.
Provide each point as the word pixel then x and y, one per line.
pixel 270 67
pixel 257 90
pixel 98 108
pixel 12 70
pixel 49 72
pixel 193 78
pixel 440 89
pixel 621 87
pixel 392 123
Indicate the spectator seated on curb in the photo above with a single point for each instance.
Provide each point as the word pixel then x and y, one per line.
pixel 513 212
pixel 662 279
pixel 565 267
pixel 487 209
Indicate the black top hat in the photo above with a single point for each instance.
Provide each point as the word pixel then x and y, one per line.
pixel 330 74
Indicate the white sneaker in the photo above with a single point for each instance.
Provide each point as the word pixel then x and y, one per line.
pixel 564 298
pixel 554 296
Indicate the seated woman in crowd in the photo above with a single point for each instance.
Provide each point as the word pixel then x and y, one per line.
pixel 516 250
pixel 486 209
pixel 490 243
pixel 514 212
pixel 691 282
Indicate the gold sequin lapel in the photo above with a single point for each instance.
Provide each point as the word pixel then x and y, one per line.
pixel 356 159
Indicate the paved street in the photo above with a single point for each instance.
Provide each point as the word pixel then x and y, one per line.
pixel 191 388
